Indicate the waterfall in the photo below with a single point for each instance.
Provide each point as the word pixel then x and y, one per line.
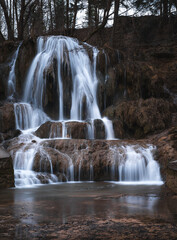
pixel 139 165
pixel 70 62
pixel 12 78
pixel 26 117
pixel 108 128
pixel 66 52
pixel 83 74
pixel 24 162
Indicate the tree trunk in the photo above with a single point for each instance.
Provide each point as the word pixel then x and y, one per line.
pixel 90 13
pixel 116 10
pixel 104 22
pixel 21 19
pixel 67 17
pixel 51 16
pixel 75 15
pixel 8 20
pixel 96 16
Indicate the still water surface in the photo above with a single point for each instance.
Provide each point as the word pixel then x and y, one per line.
pixel 56 203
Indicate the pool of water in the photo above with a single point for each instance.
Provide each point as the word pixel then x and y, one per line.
pixel 58 202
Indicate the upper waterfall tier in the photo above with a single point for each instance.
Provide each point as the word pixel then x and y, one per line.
pixel 64 71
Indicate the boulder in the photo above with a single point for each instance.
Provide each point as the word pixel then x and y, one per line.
pixel 49 130
pixel 77 130
pixel 99 129
pixel 72 129
pixel 6 169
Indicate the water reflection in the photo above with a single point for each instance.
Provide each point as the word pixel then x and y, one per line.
pixel 137 204
pixel 57 203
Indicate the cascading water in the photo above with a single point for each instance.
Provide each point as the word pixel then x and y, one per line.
pixel 12 78
pixel 24 162
pixel 79 62
pixel 26 117
pixel 135 164
pixel 83 76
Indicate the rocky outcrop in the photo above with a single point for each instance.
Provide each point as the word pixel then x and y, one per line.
pixel 51 95
pixel 171 176
pixel 7 122
pixel 49 130
pixel 99 129
pixel 166 154
pixel 77 130
pixel 26 54
pixel 7 49
pixel 7 117
pixel 6 170
pixel 79 159
pixel 72 129
pixel 141 117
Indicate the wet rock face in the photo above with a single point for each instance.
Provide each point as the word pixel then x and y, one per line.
pixel 99 129
pixel 166 154
pixel 6 52
pixel 51 93
pixel 89 160
pixel 7 122
pixel 71 129
pixel 50 96
pixel 171 176
pixel 139 118
pixel 4 71
pixel 87 154
pixel 75 130
pixel 6 170
pixel 44 130
pixel 128 80
pixel 26 54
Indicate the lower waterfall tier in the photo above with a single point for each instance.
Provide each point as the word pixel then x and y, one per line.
pixel 39 161
pixel 27 118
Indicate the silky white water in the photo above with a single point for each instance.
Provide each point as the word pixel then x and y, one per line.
pixel 83 78
pixel 130 164
pixel 26 117
pixel 23 161
pixel 136 164
pixel 12 78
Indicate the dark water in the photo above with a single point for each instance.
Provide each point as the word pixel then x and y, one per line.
pixel 56 203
